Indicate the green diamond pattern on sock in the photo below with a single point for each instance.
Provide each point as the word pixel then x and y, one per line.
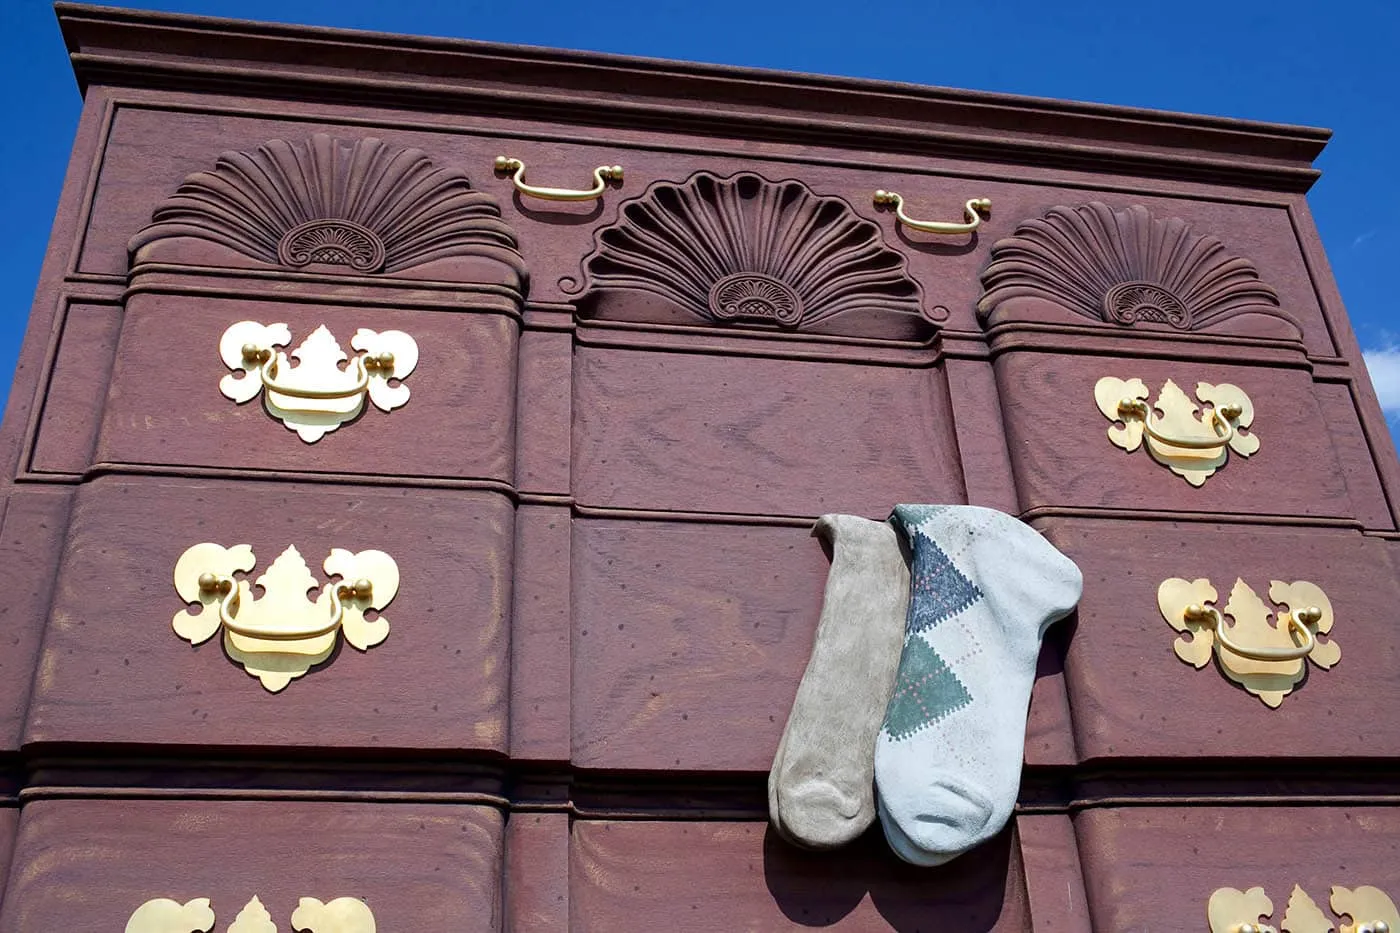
pixel 925 692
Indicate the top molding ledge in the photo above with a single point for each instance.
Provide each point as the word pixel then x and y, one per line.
pixel 134 48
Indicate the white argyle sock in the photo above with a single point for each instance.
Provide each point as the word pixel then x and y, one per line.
pixel 821 790
pixel 984 588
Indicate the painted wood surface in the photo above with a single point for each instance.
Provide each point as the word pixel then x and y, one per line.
pixel 85 865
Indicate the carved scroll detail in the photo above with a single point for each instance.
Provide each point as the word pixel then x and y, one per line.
pixel 747 251
pixel 1129 268
pixel 332 204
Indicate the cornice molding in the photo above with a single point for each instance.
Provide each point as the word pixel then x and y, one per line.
pixel 119 48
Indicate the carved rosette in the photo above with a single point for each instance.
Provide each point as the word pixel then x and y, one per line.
pixel 1125 267
pixel 750 252
pixel 329 205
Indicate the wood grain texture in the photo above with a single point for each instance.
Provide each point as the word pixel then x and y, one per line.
pixel 9 825
pixel 1062 455
pixel 544 397
pixel 31 544
pixel 1359 462
pixel 1154 868
pixel 726 877
pixel 85 865
pixel 1132 697
pixel 165 406
pixel 1054 886
pixel 705 433
pixel 77 389
pixel 537 873
pixel 541 651
pixel 112 670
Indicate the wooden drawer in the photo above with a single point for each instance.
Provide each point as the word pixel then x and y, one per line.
pixel 688 634
pixel 699 432
pixel 711 877
pixel 113 670
pixel 1062 456
pixel 1132 697
pixel 165 406
pixel 89 864
pixel 1149 868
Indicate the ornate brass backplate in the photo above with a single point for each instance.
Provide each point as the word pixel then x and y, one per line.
pixel 316 396
pixel 1267 659
pixel 1190 441
pixel 162 915
pixel 1365 909
pixel 280 636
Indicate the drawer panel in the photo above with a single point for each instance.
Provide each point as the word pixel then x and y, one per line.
pixel 690 639
pixel 165 406
pixel 87 865
pixel 691 432
pixel 720 877
pixel 1131 696
pixel 113 670
pixel 1149 868
pixel 1062 456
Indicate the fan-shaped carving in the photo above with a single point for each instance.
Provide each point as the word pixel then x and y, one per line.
pixel 355 205
pixel 1127 267
pixel 744 250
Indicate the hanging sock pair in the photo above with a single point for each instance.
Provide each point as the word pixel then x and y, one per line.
pixel 913 705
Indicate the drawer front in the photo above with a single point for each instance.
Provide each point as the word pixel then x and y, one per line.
pixel 166 406
pixel 89 865
pixel 705 877
pixel 1132 696
pixel 1150 868
pixel 1062 456
pixel 690 638
pixel 114 670
pixel 691 432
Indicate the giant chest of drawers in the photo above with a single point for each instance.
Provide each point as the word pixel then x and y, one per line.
pixel 626 410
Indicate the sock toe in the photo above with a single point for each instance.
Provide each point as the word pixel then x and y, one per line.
pixel 819 815
pixel 944 820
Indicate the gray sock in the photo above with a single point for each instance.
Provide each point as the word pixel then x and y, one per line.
pixel 821 788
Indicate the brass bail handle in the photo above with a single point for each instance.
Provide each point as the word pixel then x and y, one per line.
pixel 971 211
pixel 1220 418
pixel 1298 622
pixel 603 174
pixel 1253 928
pixel 361 365
pixel 213 583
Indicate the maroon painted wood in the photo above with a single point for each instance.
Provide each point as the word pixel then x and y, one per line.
pixel 1157 866
pixel 86 865
pixel 599 493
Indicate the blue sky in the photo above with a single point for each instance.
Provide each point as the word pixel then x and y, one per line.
pixel 1323 64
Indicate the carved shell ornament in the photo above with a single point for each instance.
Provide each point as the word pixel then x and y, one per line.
pixel 1127 268
pixel 332 205
pixel 750 252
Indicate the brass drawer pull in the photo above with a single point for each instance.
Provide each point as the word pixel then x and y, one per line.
pixel 601 176
pixel 162 915
pixel 282 635
pixel 970 211
pixel 1368 909
pixel 317 396
pixel 1190 445
pixel 1266 660
pixel 1210 617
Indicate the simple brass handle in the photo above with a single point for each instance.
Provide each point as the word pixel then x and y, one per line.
pixel 1220 418
pixel 1298 622
pixel 970 210
pixel 601 176
pixel 212 583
